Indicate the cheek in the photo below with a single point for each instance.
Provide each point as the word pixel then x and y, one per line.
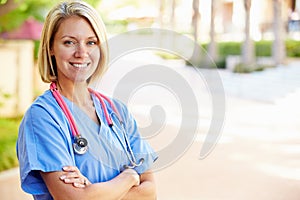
pixel 62 54
pixel 95 55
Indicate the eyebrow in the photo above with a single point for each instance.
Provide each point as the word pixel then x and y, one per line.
pixel 69 36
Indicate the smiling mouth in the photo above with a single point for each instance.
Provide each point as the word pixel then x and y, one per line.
pixel 77 65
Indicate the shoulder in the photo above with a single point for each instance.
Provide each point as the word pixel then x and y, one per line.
pixel 45 100
pixel 44 107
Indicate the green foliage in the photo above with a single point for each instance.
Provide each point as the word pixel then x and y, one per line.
pixel 167 55
pixel 36 48
pixel 293 48
pixel 242 68
pixel 229 48
pixel 29 8
pixel 3 1
pixel 116 26
pixel 3 97
pixel 221 63
pixel 37 9
pixel 8 137
pixel 263 48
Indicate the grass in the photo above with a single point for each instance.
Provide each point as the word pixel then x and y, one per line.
pixel 8 138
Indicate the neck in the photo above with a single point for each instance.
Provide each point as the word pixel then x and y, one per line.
pixel 75 92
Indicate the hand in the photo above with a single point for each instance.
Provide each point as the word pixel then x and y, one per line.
pixel 73 176
pixel 133 174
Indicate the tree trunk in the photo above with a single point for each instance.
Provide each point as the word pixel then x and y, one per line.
pixel 172 19
pixel 212 48
pixel 248 53
pixel 196 56
pixel 161 13
pixel 278 48
pixel 195 19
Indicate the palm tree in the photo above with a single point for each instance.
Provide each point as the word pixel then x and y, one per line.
pixel 196 56
pixel 248 54
pixel 172 18
pixel 278 48
pixel 212 48
pixel 195 19
pixel 160 13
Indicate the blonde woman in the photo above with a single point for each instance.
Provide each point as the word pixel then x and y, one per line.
pixel 75 143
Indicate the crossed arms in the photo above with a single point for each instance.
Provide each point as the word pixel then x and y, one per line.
pixel 71 184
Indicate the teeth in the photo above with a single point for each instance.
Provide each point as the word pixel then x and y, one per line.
pixel 80 65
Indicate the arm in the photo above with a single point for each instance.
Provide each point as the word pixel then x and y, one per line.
pixel 145 191
pixel 116 188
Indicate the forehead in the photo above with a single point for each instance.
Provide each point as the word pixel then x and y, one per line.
pixel 76 26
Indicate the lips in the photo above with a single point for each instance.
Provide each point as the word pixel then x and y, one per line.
pixel 79 65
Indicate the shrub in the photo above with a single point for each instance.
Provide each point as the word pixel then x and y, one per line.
pixel 263 48
pixel 242 68
pixel 229 48
pixel 293 48
pixel 8 137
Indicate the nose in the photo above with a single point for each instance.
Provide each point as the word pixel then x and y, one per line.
pixel 81 51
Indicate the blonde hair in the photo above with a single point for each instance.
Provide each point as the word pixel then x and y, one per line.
pixel 46 63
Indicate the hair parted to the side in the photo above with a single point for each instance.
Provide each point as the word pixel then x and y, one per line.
pixel 46 63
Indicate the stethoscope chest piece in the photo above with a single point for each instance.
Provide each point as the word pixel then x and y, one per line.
pixel 80 145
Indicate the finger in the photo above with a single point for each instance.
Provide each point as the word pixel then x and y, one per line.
pixel 69 175
pixel 70 169
pixel 73 180
pixel 79 185
pixel 87 182
pixel 133 173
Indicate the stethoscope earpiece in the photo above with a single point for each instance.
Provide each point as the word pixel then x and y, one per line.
pixel 80 145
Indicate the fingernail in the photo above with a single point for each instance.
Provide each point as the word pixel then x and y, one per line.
pixel 77 185
pixel 62 177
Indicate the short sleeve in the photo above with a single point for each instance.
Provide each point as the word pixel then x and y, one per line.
pixel 44 144
pixel 140 147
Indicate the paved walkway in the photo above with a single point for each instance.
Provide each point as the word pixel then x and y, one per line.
pixel 257 156
pixel 10 186
pixel 269 85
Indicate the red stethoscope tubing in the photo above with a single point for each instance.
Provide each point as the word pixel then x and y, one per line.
pixel 101 97
pixel 65 109
pixel 75 132
pixel 68 114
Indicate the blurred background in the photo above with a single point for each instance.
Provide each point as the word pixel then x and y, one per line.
pixel 255 47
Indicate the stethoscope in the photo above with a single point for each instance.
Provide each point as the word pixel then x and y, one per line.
pixel 80 144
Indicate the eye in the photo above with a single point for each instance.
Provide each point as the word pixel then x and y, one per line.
pixel 92 42
pixel 69 42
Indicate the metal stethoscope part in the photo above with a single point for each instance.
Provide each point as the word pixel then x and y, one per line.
pixel 80 145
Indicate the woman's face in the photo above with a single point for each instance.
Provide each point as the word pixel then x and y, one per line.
pixel 76 50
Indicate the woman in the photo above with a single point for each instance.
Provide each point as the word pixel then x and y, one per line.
pixel 74 143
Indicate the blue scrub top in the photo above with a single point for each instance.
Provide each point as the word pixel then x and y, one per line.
pixel 45 143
